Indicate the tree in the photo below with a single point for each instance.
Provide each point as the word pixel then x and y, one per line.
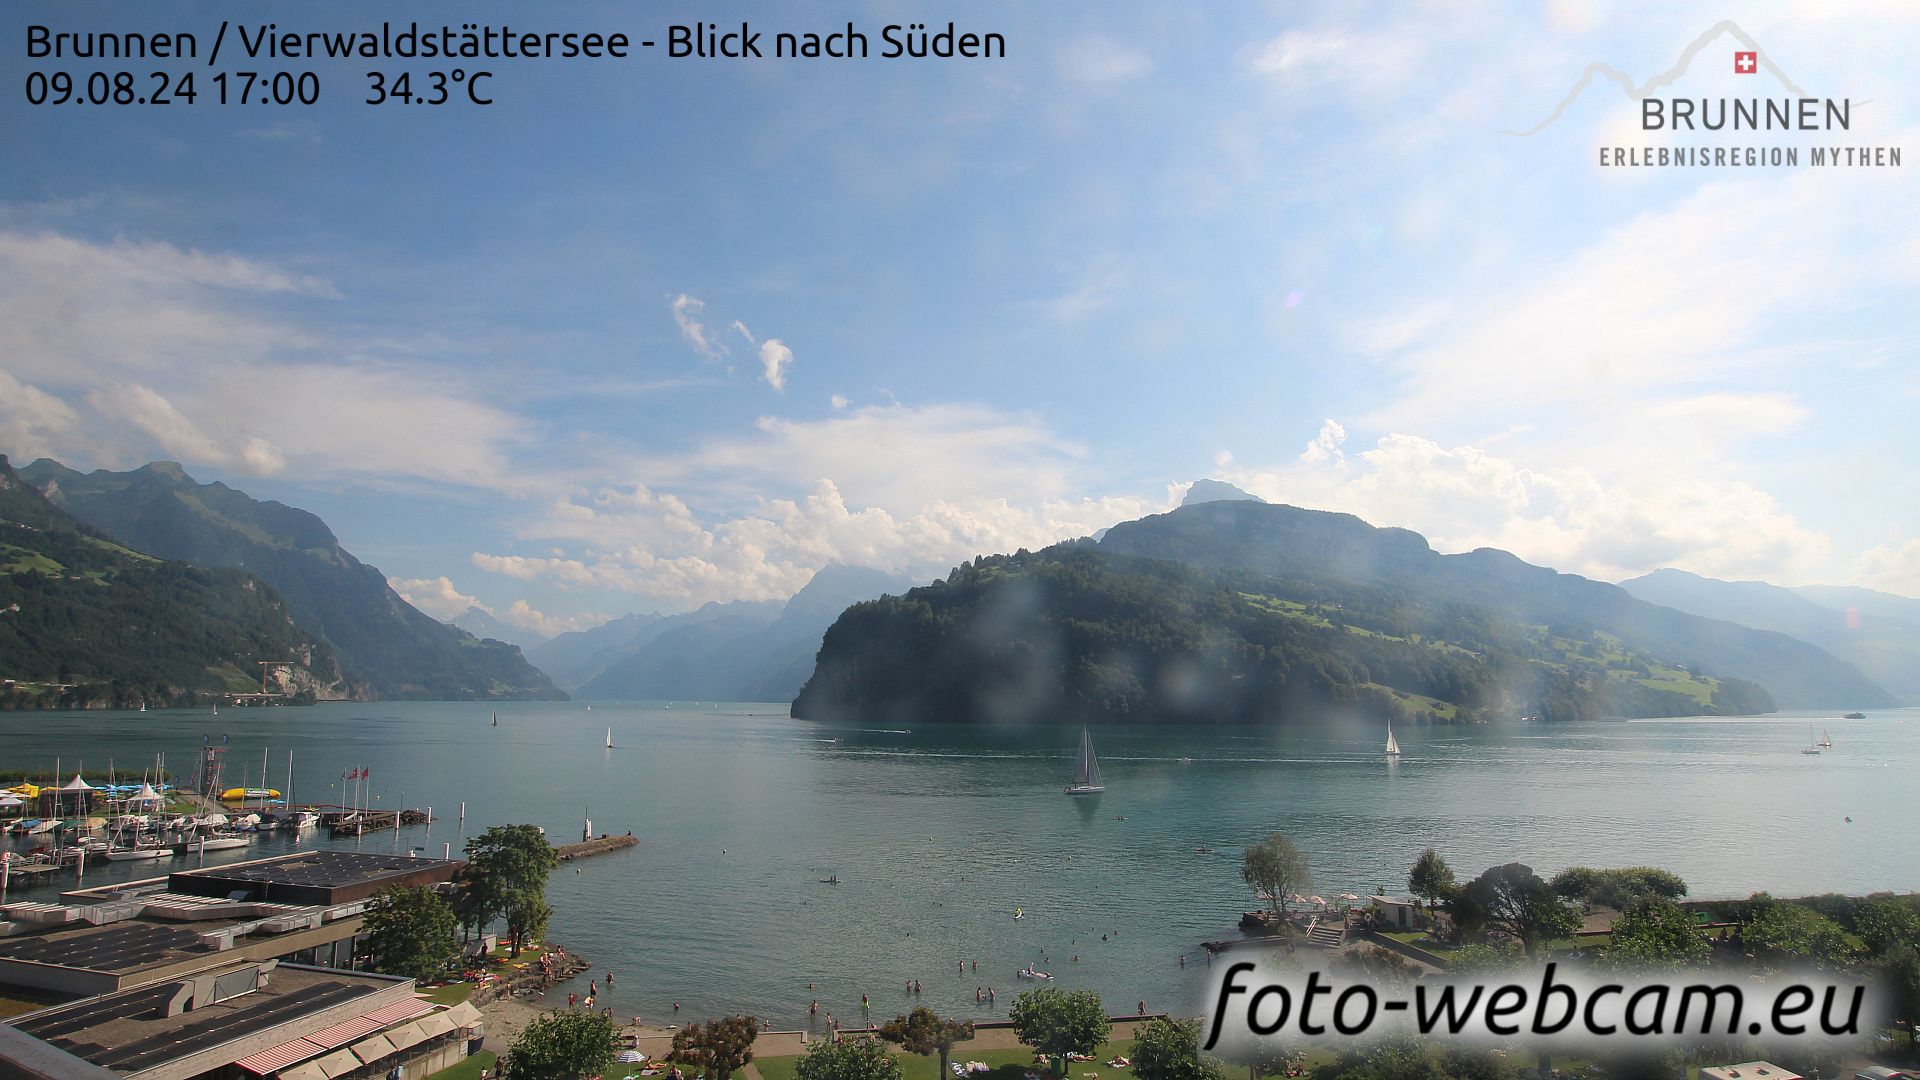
pixel 848 1059
pixel 506 878
pixel 1514 901
pixel 721 1047
pixel 1654 933
pixel 1890 928
pixel 1431 879
pixel 1278 869
pixel 1617 888
pixel 411 932
pixel 1170 1050
pixel 922 1031
pixel 567 1045
pixel 1057 1023
pixel 1779 932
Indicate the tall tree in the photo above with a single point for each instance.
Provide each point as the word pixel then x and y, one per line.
pixel 571 1044
pixel 1276 868
pixel 848 1059
pixel 922 1031
pixel 1057 1022
pixel 411 932
pixel 1431 879
pixel 1166 1049
pixel 1513 900
pixel 506 878
pixel 721 1047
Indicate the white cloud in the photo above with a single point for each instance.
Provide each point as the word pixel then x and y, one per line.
pixel 440 598
pixel 651 546
pixel 32 423
pixel 838 401
pixel 177 436
pixel 687 314
pixel 775 358
pixel 896 456
pixel 436 596
pixel 1892 567
pixel 1463 497
pixel 119 352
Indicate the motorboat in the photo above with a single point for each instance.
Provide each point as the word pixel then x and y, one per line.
pixel 217 842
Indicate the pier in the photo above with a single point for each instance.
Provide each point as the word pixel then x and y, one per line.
pixel 599 845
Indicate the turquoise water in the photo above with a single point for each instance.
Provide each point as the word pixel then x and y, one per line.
pixel 940 833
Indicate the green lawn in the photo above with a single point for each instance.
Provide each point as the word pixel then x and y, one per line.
pixel 468 1069
pixel 451 994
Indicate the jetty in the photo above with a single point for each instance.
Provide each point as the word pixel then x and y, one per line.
pixel 599 845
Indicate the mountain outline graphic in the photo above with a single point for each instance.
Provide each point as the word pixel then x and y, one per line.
pixel 1726 27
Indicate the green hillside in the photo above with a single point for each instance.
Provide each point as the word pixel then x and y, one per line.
pixel 386 647
pixel 87 622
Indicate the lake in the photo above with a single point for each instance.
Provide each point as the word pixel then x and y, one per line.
pixel 940 833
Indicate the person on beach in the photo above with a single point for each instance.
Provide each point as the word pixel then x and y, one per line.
pixel 977 997
pixel 609 979
pixel 572 1000
pixel 1183 959
pixel 814 1009
pixel 1143 1006
pixel 864 1003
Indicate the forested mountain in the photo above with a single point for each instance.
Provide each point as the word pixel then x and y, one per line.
pixel 386 647
pixel 1234 612
pixel 86 622
pixel 740 651
pixel 1885 647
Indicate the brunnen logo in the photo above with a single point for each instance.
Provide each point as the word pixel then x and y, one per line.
pixel 1796 112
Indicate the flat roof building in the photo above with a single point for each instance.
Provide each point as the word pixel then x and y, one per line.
pixel 324 878
pixel 1749 1070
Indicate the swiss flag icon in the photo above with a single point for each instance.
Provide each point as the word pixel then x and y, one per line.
pixel 1746 63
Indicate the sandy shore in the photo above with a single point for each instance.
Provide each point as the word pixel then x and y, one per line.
pixel 506 1018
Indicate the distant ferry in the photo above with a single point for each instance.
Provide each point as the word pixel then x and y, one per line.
pixel 1853 716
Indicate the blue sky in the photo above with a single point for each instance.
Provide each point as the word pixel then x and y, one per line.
pixel 648 333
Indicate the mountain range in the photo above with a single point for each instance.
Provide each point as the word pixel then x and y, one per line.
pixel 736 651
pixel 1239 611
pixel 88 622
pixel 385 647
pixel 1879 633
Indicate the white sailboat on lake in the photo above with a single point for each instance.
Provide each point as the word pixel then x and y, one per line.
pixel 1393 744
pixel 1086 770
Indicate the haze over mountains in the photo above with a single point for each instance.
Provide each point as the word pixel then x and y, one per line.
pixel 1879 633
pixel 737 651
pixel 1236 611
pixel 386 647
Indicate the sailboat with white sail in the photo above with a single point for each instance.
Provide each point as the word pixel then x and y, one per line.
pixel 1086 769
pixel 1826 739
pixel 609 738
pixel 1813 746
pixel 1393 744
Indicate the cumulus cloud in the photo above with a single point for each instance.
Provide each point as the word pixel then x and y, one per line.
pixel 838 401
pixel 775 358
pixel 121 351
pixel 1567 517
pixel 440 598
pixel 436 596
pixel 1892 567
pixel 651 546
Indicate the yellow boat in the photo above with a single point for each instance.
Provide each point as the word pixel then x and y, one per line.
pixel 239 794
